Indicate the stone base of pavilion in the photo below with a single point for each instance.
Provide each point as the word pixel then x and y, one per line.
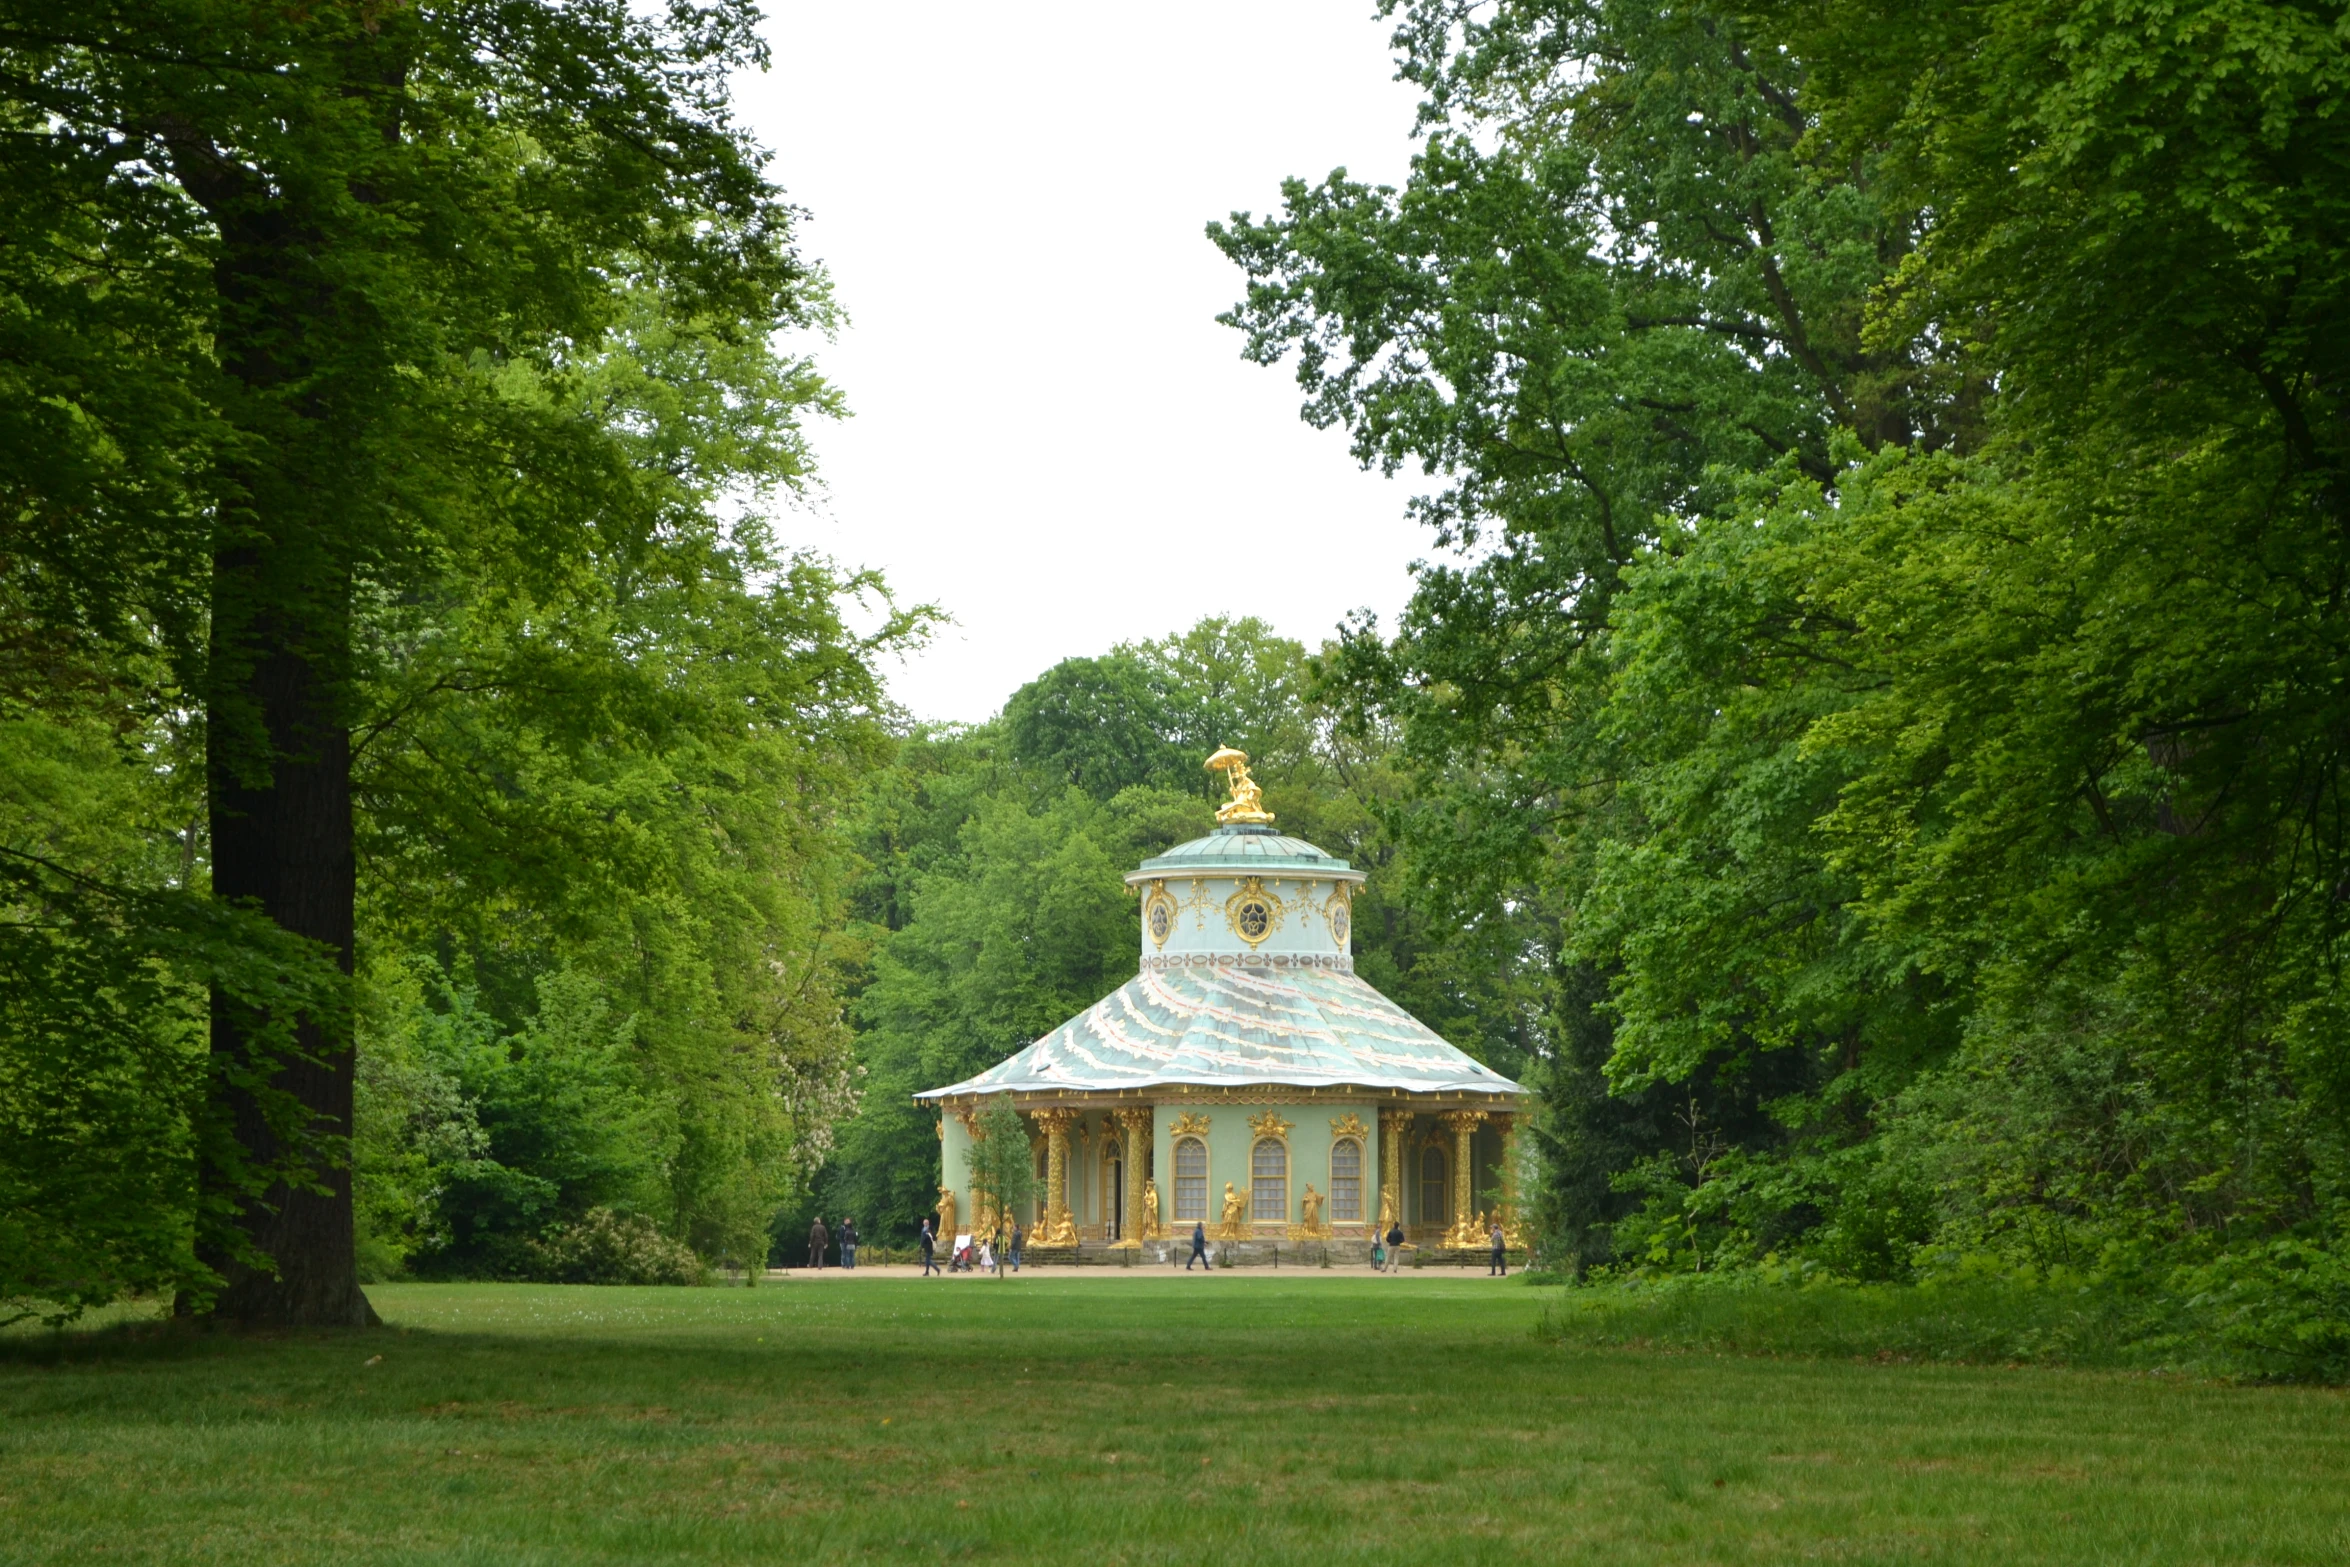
pixel 1299 1253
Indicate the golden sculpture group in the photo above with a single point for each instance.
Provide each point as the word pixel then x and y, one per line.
pixel 1248 801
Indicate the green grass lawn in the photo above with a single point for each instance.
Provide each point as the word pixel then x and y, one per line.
pixel 1136 1419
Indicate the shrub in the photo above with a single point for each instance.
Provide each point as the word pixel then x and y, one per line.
pixel 605 1247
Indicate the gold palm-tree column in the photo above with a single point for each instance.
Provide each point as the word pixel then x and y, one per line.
pixel 1391 1130
pixel 1136 1125
pixel 1463 1125
pixel 1060 1228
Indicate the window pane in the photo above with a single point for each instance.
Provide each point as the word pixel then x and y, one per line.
pixel 1432 1205
pixel 1191 1179
pixel 1346 1181
pixel 1269 1182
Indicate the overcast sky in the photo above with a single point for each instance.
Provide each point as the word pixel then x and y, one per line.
pixel 1052 439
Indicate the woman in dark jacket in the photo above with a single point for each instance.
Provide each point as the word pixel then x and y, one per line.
pixel 1395 1246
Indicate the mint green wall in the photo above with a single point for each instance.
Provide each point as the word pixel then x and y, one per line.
pixel 1231 1144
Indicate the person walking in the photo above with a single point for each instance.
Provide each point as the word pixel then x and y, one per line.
pixel 929 1250
pixel 848 1243
pixel 817 1241
pixel 1019 1244
pixel 1199 1247
pixel 1501 1255
pixel 1395 1246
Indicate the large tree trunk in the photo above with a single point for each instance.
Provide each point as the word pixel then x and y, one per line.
pixel 279 743
pixel 284 840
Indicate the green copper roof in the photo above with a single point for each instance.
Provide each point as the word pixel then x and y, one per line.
pixel 1254 851
pixel 1233 1024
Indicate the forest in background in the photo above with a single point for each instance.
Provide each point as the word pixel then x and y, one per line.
pixel 1893 617
pixel 419 754
pixel 1868 744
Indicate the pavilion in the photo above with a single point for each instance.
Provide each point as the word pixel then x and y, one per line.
pixel 1245 1078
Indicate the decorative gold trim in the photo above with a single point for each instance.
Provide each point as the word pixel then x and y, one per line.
pixel 1270 1124
pixel 1252 890
pixel 1153 963
pixel 1338 914
pixel 1159 914
pixel 1348 1125
pixel 1189 1124
pixel 1267 1126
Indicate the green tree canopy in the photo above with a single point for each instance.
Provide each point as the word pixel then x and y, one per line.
pixel 1895 459
pixel 383 388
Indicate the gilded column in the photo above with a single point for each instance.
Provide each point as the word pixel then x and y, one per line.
pixel 1463 1125
pixel 972 1190
pixel 1060 1229
pixel 1135 1129
pixel 1391 1129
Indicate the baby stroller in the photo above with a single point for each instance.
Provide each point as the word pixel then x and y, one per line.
pixel 960 1260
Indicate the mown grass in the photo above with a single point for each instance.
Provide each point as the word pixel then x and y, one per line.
pixel 1139 1419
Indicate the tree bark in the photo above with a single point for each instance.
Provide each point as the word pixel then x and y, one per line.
pixel 287 844
pixel 279 740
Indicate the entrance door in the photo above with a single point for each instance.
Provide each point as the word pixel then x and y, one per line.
pixel 1114 1196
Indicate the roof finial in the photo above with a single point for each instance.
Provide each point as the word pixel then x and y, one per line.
pixel 1248 801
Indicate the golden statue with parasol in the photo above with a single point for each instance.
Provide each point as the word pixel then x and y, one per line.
pixel 1248 801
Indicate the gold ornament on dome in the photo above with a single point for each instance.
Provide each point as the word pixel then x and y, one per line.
pixel 1189 1124
pixel 1248 801
pixel 1348 1125
pixel 1337 909
pixel 1253 911
pixel 1269 1124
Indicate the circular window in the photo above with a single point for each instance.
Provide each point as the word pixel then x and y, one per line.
pixel 1158 915
pixel 1340 923
pixel 1253 911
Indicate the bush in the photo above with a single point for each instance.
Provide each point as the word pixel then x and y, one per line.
pixel 1999 1321
pixel 606 1247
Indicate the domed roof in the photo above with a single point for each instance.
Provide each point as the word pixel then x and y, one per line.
pixel 1233 1025
pixel 1247 981
pixel 1250 850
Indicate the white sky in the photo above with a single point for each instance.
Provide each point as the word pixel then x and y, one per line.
pixel 1052 439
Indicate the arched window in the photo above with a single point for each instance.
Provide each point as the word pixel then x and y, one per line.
pixel 1191 1179
pixel 1346 1181
pixel 1268 1182
pixel 1432 1207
